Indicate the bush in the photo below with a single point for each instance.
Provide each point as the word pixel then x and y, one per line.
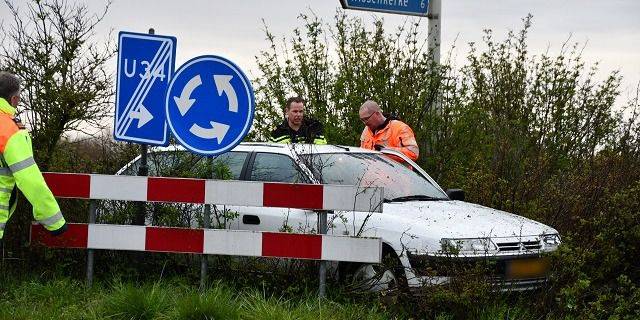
pixel 533 134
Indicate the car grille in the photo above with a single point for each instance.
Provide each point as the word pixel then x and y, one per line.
pixel 498 284
pixel 519 245
pixel 518 284
pixel 505 273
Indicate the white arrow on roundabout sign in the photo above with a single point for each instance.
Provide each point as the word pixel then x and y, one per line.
pixel 210 105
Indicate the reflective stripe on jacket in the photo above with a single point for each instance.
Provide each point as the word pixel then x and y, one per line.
pixel 395 135
pixel 18 169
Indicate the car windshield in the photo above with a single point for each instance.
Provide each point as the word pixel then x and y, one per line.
pixel 367 169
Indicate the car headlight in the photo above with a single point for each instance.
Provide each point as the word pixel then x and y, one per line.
pixel 468 245
pixel 551 240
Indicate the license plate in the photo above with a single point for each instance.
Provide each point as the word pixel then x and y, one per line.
pixel 527 268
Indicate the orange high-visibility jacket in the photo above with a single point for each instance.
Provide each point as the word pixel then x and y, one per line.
pixel 395 135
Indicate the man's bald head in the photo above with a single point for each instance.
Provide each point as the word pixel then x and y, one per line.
pixel 371 114
pixel 370 106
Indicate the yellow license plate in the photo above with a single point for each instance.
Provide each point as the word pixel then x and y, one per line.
pixel 527 268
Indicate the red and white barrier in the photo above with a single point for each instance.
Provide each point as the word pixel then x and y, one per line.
pixel 220 192
pixel 213 241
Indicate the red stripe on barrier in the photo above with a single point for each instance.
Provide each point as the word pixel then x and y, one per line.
pixel 75 236
pixel 303 196
pixel 287 245
pixel 175 190
pixel 68 185
pixel 174 240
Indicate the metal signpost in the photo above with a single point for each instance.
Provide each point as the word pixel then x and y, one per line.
pixel 435 21
pixel 210 105
pixel 145 66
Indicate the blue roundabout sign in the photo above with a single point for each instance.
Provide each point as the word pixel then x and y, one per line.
pixel 209 105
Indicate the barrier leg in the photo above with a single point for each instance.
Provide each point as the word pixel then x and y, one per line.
pixel 322 229
pixel 203 257
pixel 92 219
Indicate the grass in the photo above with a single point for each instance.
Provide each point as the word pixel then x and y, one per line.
pixel 70 299
pixel 216 303
pixel 126 301
pixel 27 297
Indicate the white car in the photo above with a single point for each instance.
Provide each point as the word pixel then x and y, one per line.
pixel 426 232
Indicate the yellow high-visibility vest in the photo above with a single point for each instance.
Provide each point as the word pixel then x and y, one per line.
pixel 19 169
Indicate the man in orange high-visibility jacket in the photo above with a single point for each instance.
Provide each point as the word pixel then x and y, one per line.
pixel 18 168
pixel 380 132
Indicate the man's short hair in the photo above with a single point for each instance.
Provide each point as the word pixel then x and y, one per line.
pixel 9 85
pixel 291 100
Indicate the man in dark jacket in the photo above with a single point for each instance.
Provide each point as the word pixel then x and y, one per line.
pixel 296 128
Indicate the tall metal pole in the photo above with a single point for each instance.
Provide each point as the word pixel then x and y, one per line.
pixel 435 21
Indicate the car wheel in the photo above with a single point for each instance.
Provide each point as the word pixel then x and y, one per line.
pixel 386 276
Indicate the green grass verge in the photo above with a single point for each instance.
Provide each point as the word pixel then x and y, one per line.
pixel 70 299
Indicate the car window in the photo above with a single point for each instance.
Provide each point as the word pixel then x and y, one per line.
pixel 132 169
pixel 276 168
pixel 368 169
pixel 177 164
pixel 187 165
pixel 228 166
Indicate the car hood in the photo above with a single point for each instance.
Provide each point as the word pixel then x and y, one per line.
pixel 458 219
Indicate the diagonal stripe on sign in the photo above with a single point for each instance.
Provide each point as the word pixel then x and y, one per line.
pixel 143 89
pixel 141 86
pixel 144 86
pixel 137 91
pixel 152 68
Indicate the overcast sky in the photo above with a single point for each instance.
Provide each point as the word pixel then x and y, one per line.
pixel 233 29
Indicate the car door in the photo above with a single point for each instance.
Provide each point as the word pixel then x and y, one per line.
pixel 227 166
pixel 275 167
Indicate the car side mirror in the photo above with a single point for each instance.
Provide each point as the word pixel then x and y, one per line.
pixel 455 194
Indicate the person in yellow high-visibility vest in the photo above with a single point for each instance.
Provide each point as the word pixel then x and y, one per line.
pixel 296 127
pixel 18 168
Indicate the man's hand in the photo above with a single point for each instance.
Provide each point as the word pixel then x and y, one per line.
pixel 60 231
pixel 378 147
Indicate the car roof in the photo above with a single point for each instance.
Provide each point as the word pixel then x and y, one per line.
pixel 271 147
